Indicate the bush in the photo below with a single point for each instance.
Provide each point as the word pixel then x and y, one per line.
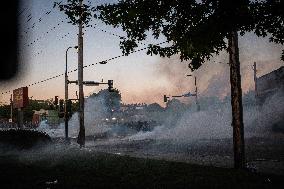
pixel 23 139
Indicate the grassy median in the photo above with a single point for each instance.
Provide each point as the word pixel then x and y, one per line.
pixel 98 170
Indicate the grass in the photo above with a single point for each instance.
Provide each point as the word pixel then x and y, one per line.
pixel 98 170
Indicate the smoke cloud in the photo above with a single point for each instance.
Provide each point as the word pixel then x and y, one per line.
pixel 95 111
pixel 213 77
pixel 214 122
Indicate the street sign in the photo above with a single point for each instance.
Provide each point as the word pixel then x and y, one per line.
pixel 20 97
pixel 10 120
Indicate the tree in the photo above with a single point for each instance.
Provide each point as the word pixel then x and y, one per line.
pixel 5 112
pixel 28 111
pixel 155 107
pixel 196 30
pixel 35 105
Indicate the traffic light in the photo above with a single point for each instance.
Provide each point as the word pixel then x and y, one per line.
pixel 69 107
pixel 110 85
pixel 165 98
pixel 61 109
pixel 55 101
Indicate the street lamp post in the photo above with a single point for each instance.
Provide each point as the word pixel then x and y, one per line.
pixel 66 116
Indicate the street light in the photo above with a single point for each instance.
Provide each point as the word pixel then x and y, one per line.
pixel 66 94
pixel 196 92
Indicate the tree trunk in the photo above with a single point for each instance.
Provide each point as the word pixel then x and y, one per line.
pixel 236 102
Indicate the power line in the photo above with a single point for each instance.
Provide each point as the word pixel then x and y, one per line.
pixel 59 38
pixel 29 44
pixel 52 29
pixel 101 62
pixel 44 15
pixel 107 32
pixel 105 61
pixel 116 57
pixel 44 35
pixel 62 37
pixel 110 33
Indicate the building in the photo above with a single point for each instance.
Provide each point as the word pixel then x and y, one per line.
pixel 270 84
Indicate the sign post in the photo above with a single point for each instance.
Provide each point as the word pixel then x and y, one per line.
pixel 20 118
pixel 11 111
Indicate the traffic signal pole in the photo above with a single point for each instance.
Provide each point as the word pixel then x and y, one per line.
pixel 81 136
pixel 255 79
pixel 196 94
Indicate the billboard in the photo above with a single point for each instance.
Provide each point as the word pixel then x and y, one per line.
pixel 20 97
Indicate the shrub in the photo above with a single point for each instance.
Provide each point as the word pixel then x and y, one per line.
pixel 23 139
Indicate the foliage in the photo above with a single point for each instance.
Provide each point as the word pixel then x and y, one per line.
pixel 75 12
pixel 28 111
pixel 74 107
pixel 270 20
pixel 35 105
pixel 154 107
pixel 195 30
pixel 5 111
pixel 22 139
pixel 175 105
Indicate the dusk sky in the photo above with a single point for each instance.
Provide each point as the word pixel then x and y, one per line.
pixel 139 77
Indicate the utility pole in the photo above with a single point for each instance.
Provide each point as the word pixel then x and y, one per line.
pixel 196 98
pixel 196 92
pixel 256 94
pixel 236 101
pixel 81 136
pixel 255 79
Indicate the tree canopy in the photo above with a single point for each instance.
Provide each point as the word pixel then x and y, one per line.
pixel 195 29
pixel 75 12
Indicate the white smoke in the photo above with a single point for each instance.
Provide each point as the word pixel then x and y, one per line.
pixel 260 119
pixel 205 124
pixel 52 132
pixel 95 110
pixel 214 122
